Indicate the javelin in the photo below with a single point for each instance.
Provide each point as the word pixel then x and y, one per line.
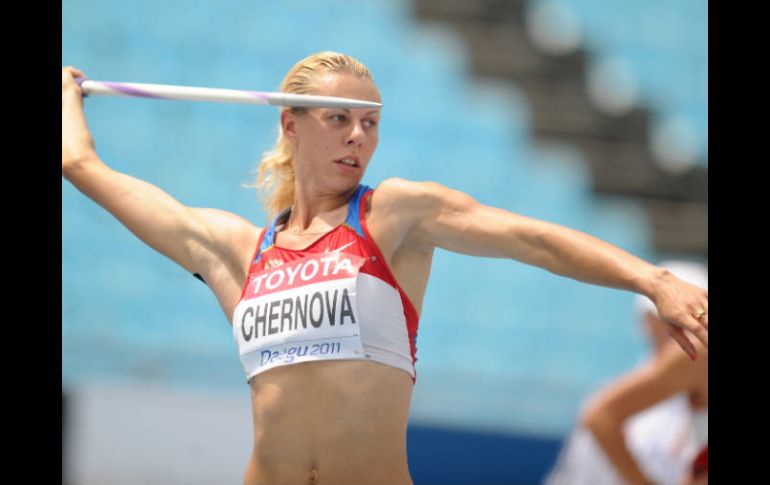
pixel 186 93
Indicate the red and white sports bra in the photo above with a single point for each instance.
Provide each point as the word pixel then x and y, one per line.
pixel 336 299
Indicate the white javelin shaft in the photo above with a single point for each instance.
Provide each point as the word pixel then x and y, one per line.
pixel 186 93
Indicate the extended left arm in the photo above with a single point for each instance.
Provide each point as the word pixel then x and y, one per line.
pixel 452 220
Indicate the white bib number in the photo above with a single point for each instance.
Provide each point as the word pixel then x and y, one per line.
pixel 301 311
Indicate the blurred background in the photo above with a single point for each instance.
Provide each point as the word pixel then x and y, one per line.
pixel 585 113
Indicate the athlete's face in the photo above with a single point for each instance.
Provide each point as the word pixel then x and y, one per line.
pixel 334 146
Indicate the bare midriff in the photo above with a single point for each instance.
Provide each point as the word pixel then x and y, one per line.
pixel 330 422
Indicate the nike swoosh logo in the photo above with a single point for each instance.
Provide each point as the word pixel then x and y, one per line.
pixel 339 248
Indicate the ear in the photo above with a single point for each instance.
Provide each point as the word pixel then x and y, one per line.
pixel 289 124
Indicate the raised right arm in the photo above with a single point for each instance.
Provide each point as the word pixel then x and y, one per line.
pixel 196 239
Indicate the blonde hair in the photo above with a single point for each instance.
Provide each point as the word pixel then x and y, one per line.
pixel 275 179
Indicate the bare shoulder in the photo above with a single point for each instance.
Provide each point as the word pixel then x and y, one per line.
pixel 400 204
pixel 424 215
pixel 393 211
pixel 414 198
pixel 425 191
pixel 394 190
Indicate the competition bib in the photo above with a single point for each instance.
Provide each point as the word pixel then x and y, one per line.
pixel 300 311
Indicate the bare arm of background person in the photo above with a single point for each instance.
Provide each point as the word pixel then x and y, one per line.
pixel 436 216
pixel 668 374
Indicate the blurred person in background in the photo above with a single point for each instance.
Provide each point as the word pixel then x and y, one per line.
pixel 331 398
pixel 650 425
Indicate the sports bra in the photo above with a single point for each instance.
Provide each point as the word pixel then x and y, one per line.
pixel 334 300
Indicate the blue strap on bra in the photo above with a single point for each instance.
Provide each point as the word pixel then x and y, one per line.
pixel 352 220
pixel 269 238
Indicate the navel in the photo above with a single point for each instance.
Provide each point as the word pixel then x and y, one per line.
pixel 313 476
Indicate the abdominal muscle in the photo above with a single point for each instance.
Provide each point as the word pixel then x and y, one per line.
pixel 330 422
